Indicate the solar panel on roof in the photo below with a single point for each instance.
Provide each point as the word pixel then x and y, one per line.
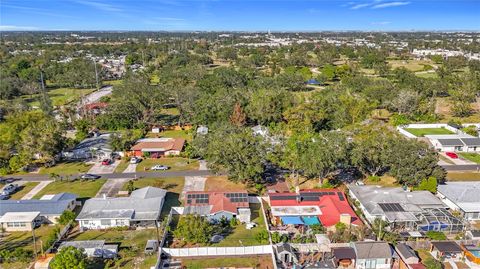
pixel 283 198
pixel 340 196
pixel 331 193
pixel 310 198
pixel 391 207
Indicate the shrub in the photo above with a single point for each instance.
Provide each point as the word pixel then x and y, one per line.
pixel 428 184
pixel 434 235
pixel 66 217
pixel 262 237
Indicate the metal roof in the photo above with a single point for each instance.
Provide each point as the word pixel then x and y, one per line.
pixel 463 194
pixel 372 250
pixel 450 142
pixel 54 206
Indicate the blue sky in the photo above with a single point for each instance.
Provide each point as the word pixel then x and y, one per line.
pixel 248 15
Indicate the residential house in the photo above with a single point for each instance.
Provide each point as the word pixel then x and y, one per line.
pixel 96 147
pixel 93 248
pixel 50 207
pixel 446 250
pixel 455 143
pixel 373 255
pixel 462 197
pixel 158 147
pixel 403 209
pixel 314 206
pixel 473 235
pixel 285 253
pixel 19 221
pixel 408 259
pixel 217 205
pixel 344 257
pixel 141 208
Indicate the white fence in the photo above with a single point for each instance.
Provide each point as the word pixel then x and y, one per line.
pixel 218 251
pixel 402 128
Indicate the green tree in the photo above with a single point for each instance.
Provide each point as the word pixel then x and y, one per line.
pixel 266 106
pixel 69 258
pixel 194 229
pixel 428 184
pixel 66 217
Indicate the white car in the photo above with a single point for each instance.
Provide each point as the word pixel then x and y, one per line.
pixel 160 167
pixel 135 160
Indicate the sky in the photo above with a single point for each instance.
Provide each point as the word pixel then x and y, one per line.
pixel 239 15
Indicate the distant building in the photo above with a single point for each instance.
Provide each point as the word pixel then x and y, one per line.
pixel 217 205
pixel 96 147
pixel 158 147
pixel 142 208
pixel 462 197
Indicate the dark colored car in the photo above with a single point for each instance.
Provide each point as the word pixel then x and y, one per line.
pixel 90 176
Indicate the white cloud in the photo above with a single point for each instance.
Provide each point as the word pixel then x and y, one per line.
pixel 359 6
pixel 100 6
pixel 390 4
pixel 17 28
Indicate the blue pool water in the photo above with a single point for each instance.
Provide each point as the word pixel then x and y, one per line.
pixel 475 253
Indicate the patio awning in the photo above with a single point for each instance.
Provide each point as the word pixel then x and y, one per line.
pixel 292 220
pixel 311 220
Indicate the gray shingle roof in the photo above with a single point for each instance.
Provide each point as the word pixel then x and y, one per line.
pixel 54 206
pixel 464 194
pixel 143 204
pixel 372 250
pixel 84 244
pixel 450 142
pixel 405 251
pixel 475 141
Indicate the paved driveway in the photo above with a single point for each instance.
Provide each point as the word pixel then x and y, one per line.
pixel 131 168
pixel 111 187
pixel 36 190
pixel 98 168
pixel 193 184
pixel 458 161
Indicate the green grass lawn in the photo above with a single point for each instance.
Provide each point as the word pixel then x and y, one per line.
pixel 27 187
pixel 473 157
pixel 122 166
pixel 241 234
pixel 175 164
pixel 419 132
pixel 66 168
pixel 82 188
pixel 59 96
pixel 185 134
pixel 132 244
pixel 222 262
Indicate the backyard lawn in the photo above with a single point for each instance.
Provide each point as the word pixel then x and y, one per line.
pixel 261 262
pixel 24 189
pixel 66 168
pixel 419 132
pixel 175 164
pixel 243 237
pixel 185 134
pixel 59 96
pixel 473 157
pixel 132 244
pixel 222 183
pixel 82 188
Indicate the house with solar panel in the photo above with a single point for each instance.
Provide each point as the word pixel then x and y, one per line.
pixel 311 207
pixel 217 205
pixel 405 210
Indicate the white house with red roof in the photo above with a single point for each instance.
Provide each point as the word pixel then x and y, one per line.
pixel 314 206
pixel 217 205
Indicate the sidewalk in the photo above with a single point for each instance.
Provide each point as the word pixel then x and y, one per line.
pixel 36 190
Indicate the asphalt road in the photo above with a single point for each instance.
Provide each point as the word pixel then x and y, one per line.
pixel 36 177
pixel 462 167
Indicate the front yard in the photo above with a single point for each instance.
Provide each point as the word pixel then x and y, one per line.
pixel 24 189
pixel 175 164
pixel 66 168
pixel 463 176
pixel 420 132
pixel 82 188
pixel 131 246
pixel 473 157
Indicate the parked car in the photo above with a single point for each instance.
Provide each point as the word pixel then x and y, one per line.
pixel 135 160
pixel 90 176
pixel 106 162
pixel 151 247
pixel 4 196
pixel 452 155
pixel 160 167
pixel 9 189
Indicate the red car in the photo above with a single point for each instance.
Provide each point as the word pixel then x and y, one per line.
pixel 452 155
pixel 106 162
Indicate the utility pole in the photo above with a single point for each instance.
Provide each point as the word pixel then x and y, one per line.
pixel 34 242
pixel 96 73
